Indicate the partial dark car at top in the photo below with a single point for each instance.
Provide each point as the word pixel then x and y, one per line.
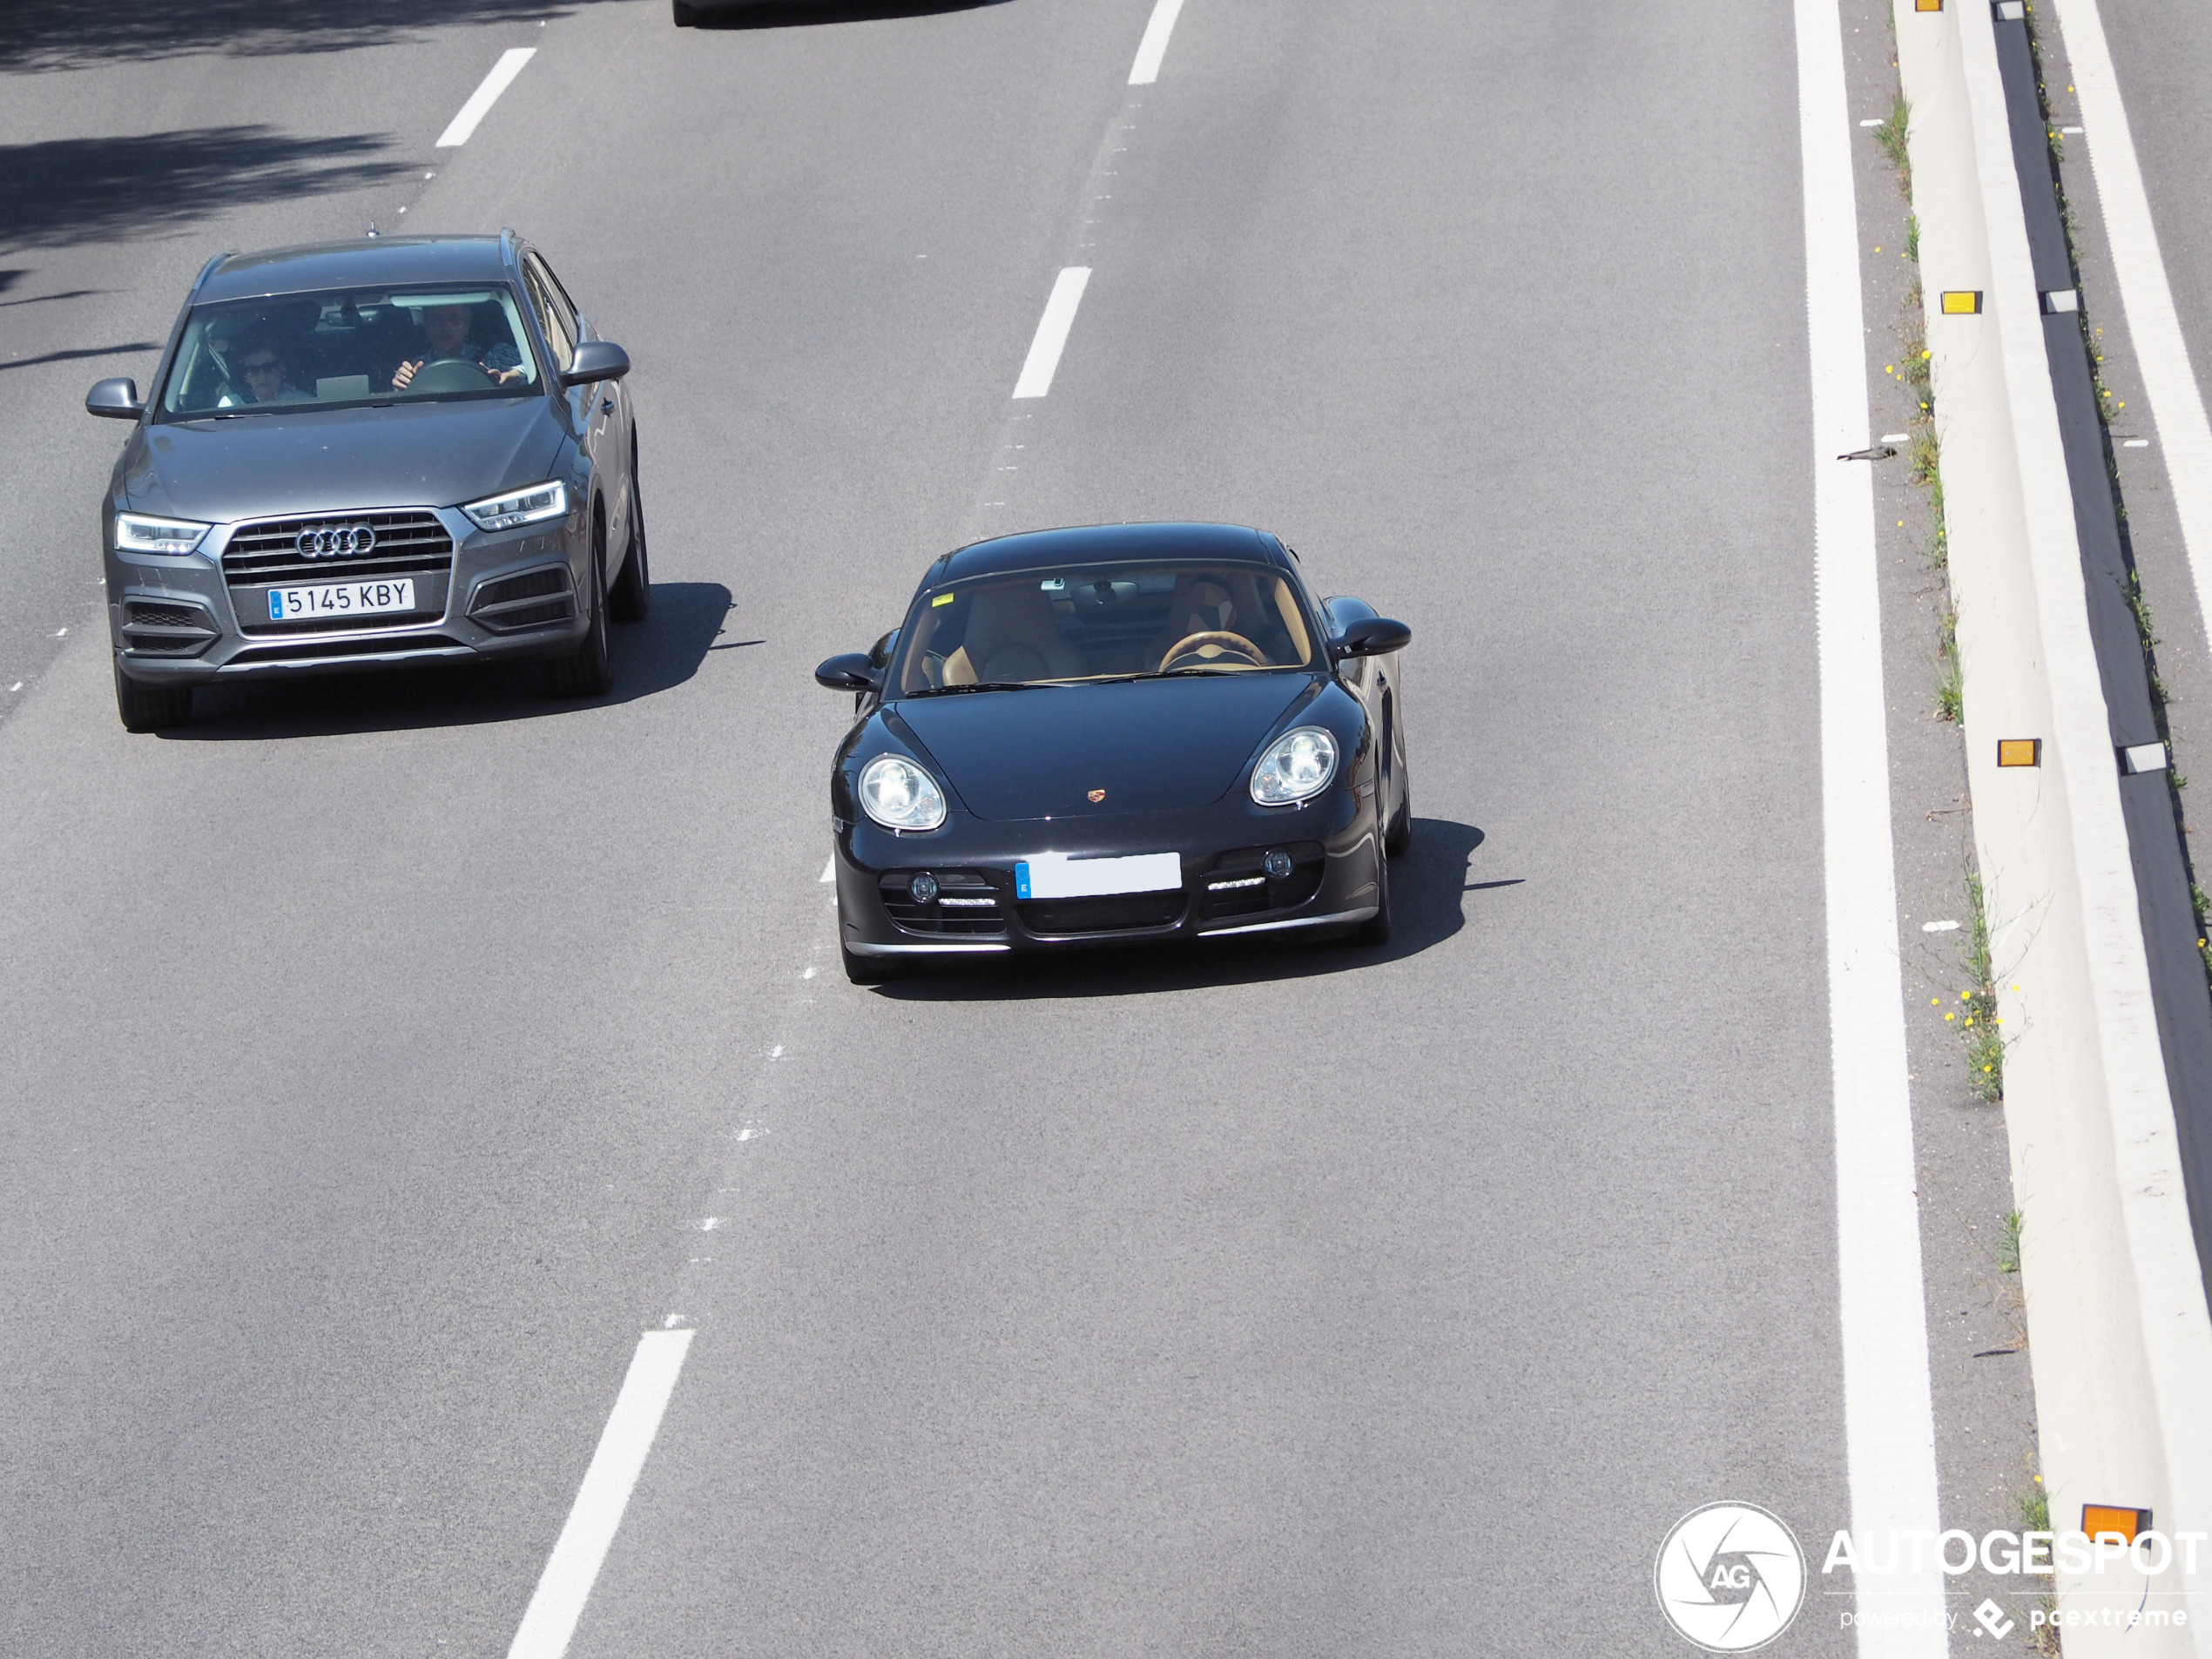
pixel 1116 735
pixel 371 455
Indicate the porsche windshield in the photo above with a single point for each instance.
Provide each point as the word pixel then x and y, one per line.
pixel 1103 623
pixel 349 347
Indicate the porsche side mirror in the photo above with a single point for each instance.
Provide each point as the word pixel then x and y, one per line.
pixel 596 360
pixel 1375 637
pixel 848 672
pixel 117 399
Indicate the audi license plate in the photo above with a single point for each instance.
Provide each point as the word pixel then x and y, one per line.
pixel 341 599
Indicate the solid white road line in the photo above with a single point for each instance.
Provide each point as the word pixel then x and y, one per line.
pixel 2177 402
pixel 1154 46
pixel 570 1572
pixel 1888 1417
pixel 479 101
pixel 829 870
pixel 1052 331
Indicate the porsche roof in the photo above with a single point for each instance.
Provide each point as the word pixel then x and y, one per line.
pixel 1109 543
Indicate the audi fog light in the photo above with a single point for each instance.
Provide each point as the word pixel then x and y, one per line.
pixel 1297 768
pixel 136 533
pixel 900 795
pixel 529 506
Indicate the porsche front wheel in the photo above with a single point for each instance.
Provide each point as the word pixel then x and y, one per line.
pixel 1376 929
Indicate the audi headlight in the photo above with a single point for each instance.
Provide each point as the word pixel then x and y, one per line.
pixel 136 533
pixel 1298 768
pixel 528 506
pixel 900 795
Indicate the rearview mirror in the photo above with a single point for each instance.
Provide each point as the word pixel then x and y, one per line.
pixel 596 360
pixel 848 672
pixel 118 400
pixel 1375 637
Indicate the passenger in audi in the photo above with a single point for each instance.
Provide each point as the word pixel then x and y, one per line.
pixel 259 353
pixel 448 332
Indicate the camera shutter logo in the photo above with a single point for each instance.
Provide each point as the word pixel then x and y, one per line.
pixel 335 540
pixel 1730 1577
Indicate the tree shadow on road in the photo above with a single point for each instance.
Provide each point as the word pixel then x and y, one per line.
pixel 651 657
pixel 65 190
pixel 1429 887
pixel 75 34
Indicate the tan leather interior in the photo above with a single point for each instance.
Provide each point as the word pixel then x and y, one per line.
pixel 1012 636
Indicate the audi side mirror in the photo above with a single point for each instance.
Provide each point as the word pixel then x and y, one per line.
pixel 116 400
pixel 596 360
pixel 850 672
pixel 1375 637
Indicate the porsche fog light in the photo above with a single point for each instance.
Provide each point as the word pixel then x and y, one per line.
pixel 1277 865
pixel 1297 768
pixel 136 533
pixel 900 795
pixel 923 888
pixel 531 506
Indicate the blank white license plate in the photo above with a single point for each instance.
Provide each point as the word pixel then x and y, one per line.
pixel 341 599
pixel 1055 875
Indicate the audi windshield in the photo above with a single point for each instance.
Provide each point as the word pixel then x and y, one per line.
pixel 349 349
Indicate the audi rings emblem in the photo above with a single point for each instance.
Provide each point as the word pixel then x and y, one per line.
pixel 335 541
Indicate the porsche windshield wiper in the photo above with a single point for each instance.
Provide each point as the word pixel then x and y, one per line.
pixel 985 685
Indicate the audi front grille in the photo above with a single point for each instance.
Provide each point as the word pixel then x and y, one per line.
pixel 160 627
pixel 534 599
pixel 300 552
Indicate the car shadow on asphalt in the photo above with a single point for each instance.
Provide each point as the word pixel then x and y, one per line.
pixel 652 656
pixel 784 15
pixel 1429 887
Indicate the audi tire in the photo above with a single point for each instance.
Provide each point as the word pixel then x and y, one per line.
pixel 588 671
pixel 632 597
pixel 150 708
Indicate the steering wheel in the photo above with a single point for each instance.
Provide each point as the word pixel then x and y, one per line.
pixel 1190 645
pixel 450 375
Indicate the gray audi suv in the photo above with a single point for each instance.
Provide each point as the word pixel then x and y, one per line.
pixel 368 454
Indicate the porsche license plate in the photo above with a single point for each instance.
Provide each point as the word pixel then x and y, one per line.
pixel 341 599
pixel 1053 875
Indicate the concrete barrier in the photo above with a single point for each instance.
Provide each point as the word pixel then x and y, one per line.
pixel 2116 1306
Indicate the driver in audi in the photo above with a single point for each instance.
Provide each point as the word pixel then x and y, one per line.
pixel 446 331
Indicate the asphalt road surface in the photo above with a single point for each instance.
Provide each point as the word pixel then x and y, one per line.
pixel 382 1057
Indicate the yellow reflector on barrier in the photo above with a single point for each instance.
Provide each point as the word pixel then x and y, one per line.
pixel 2020 751
pixel 1961 302
pixel 2105 1519
pixel 1927 5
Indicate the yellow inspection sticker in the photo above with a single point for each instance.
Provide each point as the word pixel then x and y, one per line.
pixel 941 599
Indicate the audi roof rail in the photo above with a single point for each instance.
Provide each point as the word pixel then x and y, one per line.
pixel 208 269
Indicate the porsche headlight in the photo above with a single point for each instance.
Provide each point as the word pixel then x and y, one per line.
pixel 136 533
pixel 520 506
pixel 900 795
pixel 1298 768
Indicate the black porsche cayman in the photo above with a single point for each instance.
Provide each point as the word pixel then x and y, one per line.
pixel 1114 735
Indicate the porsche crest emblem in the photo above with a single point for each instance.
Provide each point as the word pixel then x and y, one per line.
pixel 1097 795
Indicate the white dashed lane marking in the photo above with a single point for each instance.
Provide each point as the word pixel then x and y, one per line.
pixel 1154 47
pixel 565 1586
pixel 1052 331
pixel 479 101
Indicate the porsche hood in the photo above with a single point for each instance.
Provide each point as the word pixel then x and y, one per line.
pixel 1148 745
